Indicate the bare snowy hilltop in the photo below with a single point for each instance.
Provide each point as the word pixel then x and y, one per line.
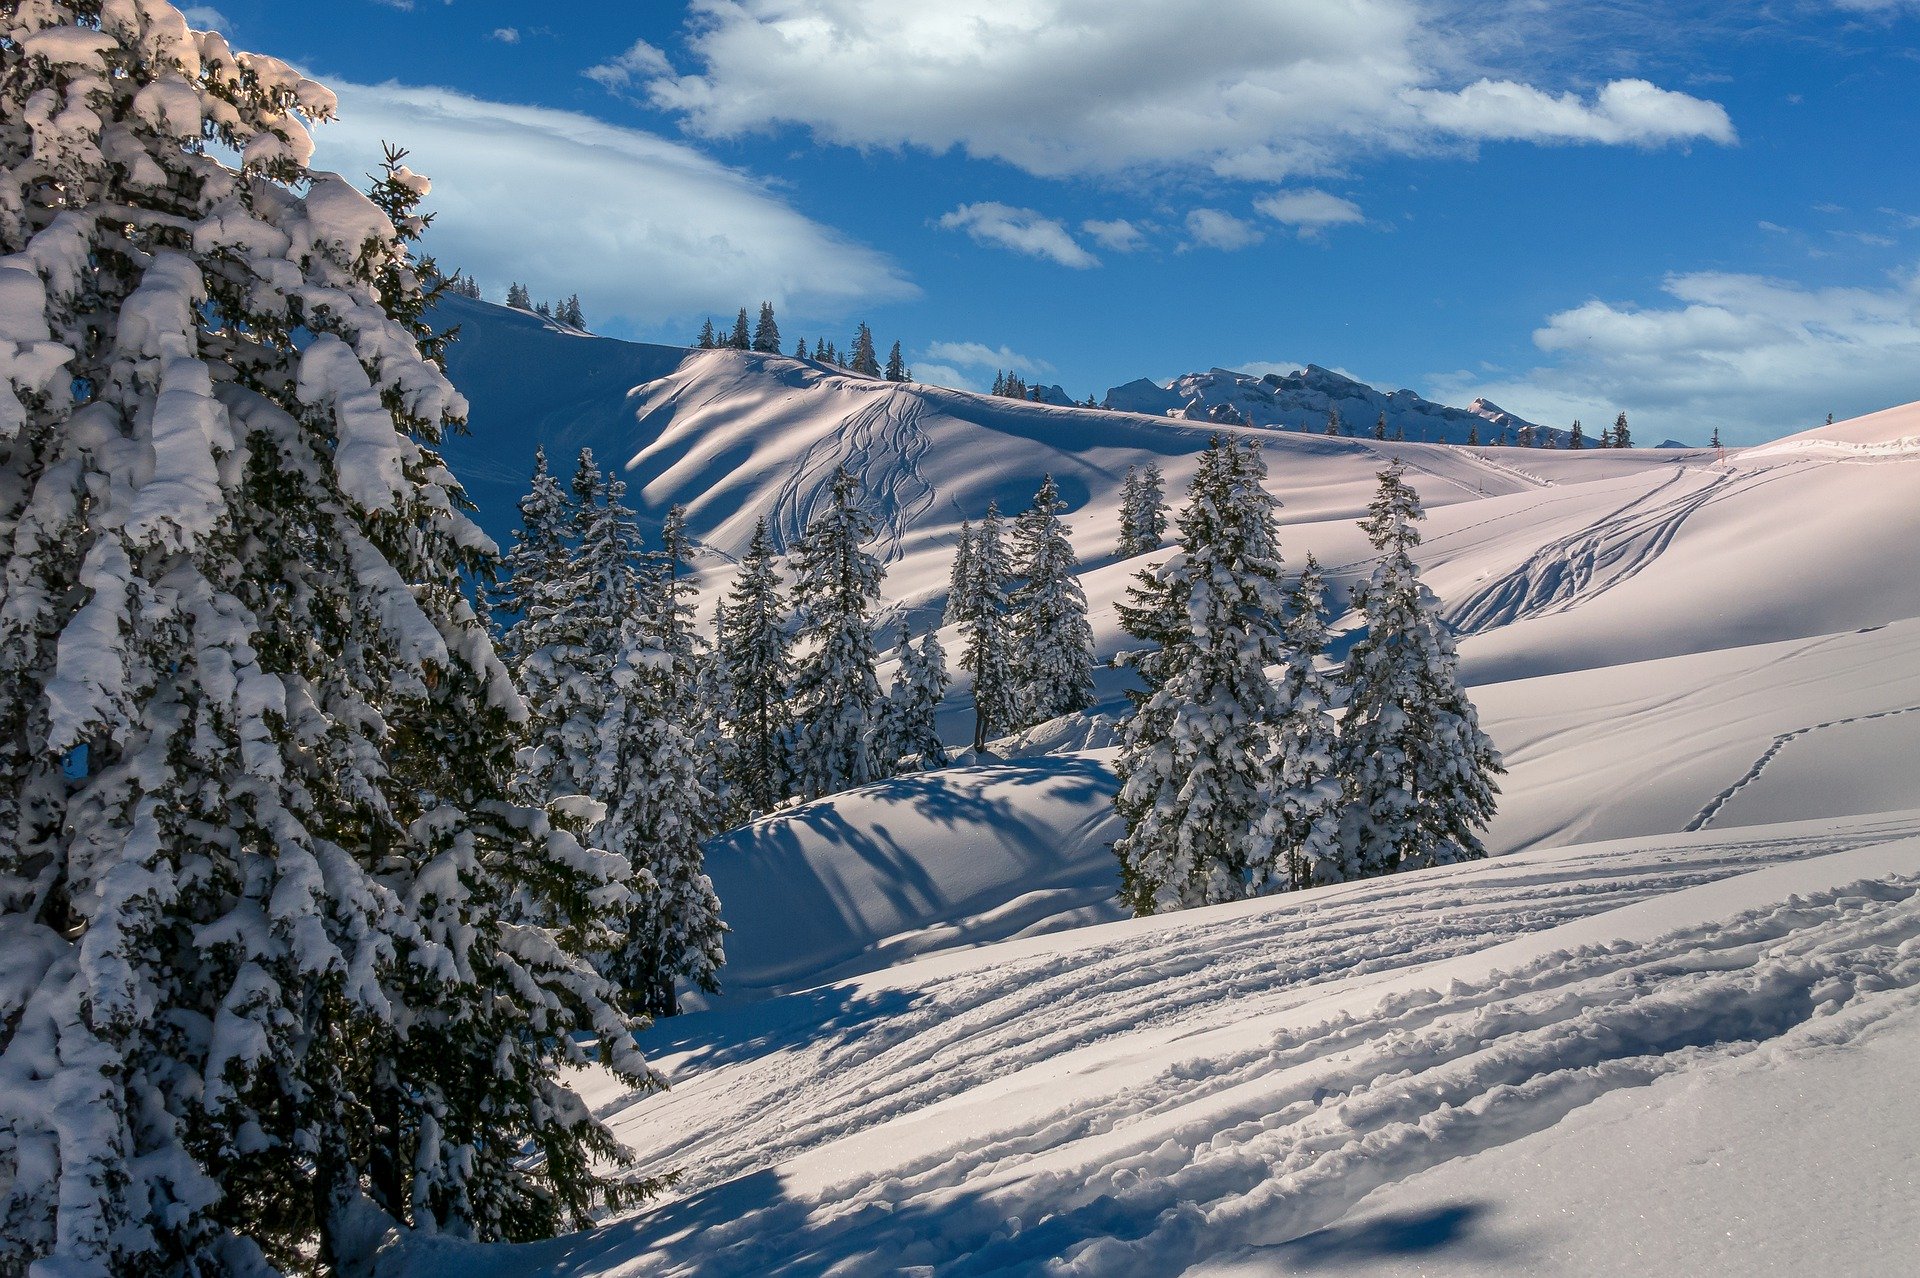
pixel 1656 1030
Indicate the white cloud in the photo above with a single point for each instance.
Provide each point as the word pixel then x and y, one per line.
pixel 640 62
pixel 1252 89
pixel 1309 211
pixel 1215 228
pixel 1117 236
pixel 1755 356
pixel 948 376
pixel 980 355
pixel 1623 112
pixel 643 228
pixel 204 17
pixel 507 35
pixel 1022 230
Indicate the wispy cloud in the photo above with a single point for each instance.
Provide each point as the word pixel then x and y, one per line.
pixel 649 229
pixel 1022 230
pixel 1218 229
pixel 1309 211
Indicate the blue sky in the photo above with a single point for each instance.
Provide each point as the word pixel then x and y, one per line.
pixel 1704 214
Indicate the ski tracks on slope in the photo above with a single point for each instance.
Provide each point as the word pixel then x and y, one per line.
pixel 1613 549
pixel 1269 1142
pixel 1719 801
pixel 882 444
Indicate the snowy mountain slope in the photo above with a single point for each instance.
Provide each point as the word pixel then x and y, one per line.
pixel 1154 1095
pixel 1302 399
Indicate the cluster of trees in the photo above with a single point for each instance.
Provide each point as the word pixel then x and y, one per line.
pixel 1236 783
pixel 290 960
pixel 861 355
pixel 1018 600
pixel 567 311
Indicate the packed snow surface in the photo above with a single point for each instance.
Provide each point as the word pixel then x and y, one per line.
pixel 1275 1079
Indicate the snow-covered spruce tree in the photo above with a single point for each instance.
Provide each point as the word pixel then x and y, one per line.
pixel 1304 821
pixel 754 646
pixel 739 339
pixel 988 656
pixel 648 774
pixel 864 360
pixel 1417 772
pixel 1143 511
pixel 766 333
pixel 713 738
pixel 518 297
pixel 535 564
pixel 266 990
pixel 909 735
pixel 1196 763
pixel 1622 436
pixel 960 574
pixel 706 339
pixel 1052 641
pixel 897 370
pixel 836 696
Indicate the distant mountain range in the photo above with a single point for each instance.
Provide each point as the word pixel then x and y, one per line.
pixel 1302 400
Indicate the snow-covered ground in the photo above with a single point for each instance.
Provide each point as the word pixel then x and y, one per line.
pixel 1669 1027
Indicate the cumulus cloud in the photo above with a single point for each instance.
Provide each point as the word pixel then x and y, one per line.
pixel 1117 236
pixel 643 228
pixel 1215 228
pixel 980 355
pixel 1757 357
pixel 1252 89
pixel 507 35
pixel 1309 211
pixel 639 63
pixel 1022 230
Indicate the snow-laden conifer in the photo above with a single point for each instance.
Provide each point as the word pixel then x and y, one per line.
pixel 766 333
pixel 1143 511
pixel 909 737
pixel 836 695
pixel 740 339
pixel 1418 774
pixel 1052 640
pixel 755 648
pixel 983 614
pixel 284 965
pixel 648 774
pixel 1304 819
pixel 960 574
pixel 897 370
pixel 864 359
pixel 1196 761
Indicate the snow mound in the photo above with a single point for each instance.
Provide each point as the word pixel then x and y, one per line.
pixel 1892 432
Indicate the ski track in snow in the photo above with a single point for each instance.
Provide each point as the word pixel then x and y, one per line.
pixel 1613 549
pixel 882 444
pixel 1719 801
pixel 1262 1144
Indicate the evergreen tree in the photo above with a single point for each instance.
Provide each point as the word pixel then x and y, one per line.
pixel 1143 511
pixel 896 365
pixel 543 310
pixel 1053 642
pixel 864 360
pixel 739 339
pixel 755 648
pixel 1473 435
pixel 800 348
pixel 999 382
pixel 648 775
pixel 534 566
pixel 1303 825
pixel 960 577
pixel 1418 772
pixel 1333 421
pixel 706 336
pixel 820 350
pixel 836 696
pixel 518 297
pixel 1399 433
pixel 1380 426
pixel 983 618
pixel 833 355
pixel 285 964
pixel 909 738
pixel 766 333
pixel 1622 437
pixel 1525 437
pixel 1576 435
pixel 1715 441
pixel 570 312
pixel 1196 762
